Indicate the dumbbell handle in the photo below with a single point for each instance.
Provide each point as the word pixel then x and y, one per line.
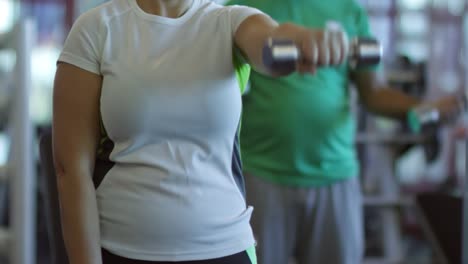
pixel 282 55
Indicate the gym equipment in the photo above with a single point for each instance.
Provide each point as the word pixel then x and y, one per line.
pixel 17 242
pixel 282 54
pixel 465 192
pixel 447 235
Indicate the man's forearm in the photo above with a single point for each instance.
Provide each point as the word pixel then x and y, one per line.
pixel 80 221
pixel 389 102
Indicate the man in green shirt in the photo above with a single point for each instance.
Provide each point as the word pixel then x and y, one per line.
pixel 297 142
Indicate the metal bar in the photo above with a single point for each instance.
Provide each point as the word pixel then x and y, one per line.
pixel 389 189
pixel 389 138
pixel 465 193
pixel 382 202
pixel 22 173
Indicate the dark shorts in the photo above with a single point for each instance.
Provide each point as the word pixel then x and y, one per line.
pixel 239 258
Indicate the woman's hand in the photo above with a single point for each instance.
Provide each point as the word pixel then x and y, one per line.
pixel 318 47
pixel 321 48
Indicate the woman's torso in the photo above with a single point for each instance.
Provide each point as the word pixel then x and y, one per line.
pixel 170 107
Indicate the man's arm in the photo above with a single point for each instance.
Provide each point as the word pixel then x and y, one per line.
pixel 382 100
pixel 316 47
pixel 75 139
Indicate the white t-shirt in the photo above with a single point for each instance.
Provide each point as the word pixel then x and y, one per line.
pixel 168 177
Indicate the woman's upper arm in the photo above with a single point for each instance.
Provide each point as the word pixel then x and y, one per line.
pixel 75 119
pixel 252 35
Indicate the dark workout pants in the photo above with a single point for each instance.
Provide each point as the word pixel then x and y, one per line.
pixel 239 258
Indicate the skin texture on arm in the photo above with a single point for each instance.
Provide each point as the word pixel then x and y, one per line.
pixel 385 101
pixel 316 47
pixel 75 138
pixel 379 99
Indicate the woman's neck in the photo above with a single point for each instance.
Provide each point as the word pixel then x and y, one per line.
pixel 165 8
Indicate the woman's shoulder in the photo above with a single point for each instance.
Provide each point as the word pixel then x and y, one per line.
pixel 102 13
pixel 215 8
pixel 207 6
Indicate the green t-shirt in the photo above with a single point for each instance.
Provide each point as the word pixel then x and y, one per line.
pixel 298 130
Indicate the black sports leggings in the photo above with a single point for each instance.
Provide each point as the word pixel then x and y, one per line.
pixel 239 258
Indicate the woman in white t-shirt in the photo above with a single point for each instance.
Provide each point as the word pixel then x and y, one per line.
pixel 146 116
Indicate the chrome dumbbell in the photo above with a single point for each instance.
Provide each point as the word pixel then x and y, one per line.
pixel 282 55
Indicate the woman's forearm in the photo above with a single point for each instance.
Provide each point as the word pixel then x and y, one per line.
pixel 80 220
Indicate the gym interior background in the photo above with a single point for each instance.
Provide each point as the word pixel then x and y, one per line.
pixel 413 184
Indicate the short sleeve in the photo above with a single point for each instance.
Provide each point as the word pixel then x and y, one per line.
pixel 82 47
pixel 237 15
